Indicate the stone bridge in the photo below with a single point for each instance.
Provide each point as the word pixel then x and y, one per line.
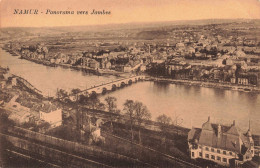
pixel 110 86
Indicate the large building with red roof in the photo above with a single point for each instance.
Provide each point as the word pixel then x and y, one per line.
pixel 225 145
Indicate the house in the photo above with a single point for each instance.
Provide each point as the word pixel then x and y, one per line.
pixel 127 68
pixel 13 81
pixel 51 114
pixel 52 60
pixel 72 60
pixel 7 75
pixel 225 145
pixel 2 84
pixel 191 50
pixel 61 58
pixel 20 114
pixel 242 81
pixel 106 65
pixel 180 45
pixel 84 61
pixel 143 67
pixel 93 64
pixel 249 78
pixel 233 80
pixel 21 117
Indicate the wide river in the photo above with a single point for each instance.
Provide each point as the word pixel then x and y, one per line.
pixel 191 105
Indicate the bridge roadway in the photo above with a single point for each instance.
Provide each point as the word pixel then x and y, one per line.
pixel 110 85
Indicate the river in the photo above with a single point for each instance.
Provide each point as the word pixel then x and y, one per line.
pixel 192 104
pixel 49 79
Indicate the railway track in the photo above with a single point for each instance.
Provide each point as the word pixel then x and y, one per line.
pixel 171 159
pixel 30 158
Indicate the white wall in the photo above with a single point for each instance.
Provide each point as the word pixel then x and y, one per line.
pixel 51 117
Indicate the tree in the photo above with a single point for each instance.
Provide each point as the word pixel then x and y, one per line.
pixel 32 48
pixel 129 111
pixel 164 122
pixel 141 114
pixel 177 122
pixel 82 99
pixel 111 104
pixel 94 103
pixel 164 119
pixel 75 91
pixel 112 108
pixel 61 93
pixel 5 121
pixel 45 51
pixel 101 106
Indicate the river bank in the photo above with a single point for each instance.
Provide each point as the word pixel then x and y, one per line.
pixel 226 86
pixel 78 67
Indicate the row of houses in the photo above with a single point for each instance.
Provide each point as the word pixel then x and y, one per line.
pixel 234 74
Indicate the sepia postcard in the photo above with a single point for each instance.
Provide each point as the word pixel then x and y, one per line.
pixel 130 83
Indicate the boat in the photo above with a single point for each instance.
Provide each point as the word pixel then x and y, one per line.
pixel 247 90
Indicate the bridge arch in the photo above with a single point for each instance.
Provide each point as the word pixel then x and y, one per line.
pixel 93 94
pixel 122 84
pixel 130 82
pixel 85 93
pixel 113 87
pixel 104 90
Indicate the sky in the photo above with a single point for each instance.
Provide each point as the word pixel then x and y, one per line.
pixel 124 11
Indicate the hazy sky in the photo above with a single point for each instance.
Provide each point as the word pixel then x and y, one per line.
pixel 123 11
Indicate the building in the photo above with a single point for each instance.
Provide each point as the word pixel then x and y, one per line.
pixel 51 114
pixel 143 67
pixel 20 117
pixel 13 81
pixel 242 81
pixel 94 64
pixel 20 114
pixel 225 145
pixel 3 84
pixel 127 68
pixel 233 80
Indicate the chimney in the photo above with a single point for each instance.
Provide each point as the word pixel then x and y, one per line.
pixel 219 130
pixel 208 118
pixel 249 125
pixel 234 122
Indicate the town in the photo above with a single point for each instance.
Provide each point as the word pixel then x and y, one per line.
pixel 216 53
pixel 77 128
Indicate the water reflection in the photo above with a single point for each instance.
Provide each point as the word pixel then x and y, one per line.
pixel 219 93
pixel 161 87
pixel 193 104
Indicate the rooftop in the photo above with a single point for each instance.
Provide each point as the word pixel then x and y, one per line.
pixel 220 136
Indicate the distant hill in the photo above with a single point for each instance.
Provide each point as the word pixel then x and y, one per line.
pixel 154 34
pixel 138 30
